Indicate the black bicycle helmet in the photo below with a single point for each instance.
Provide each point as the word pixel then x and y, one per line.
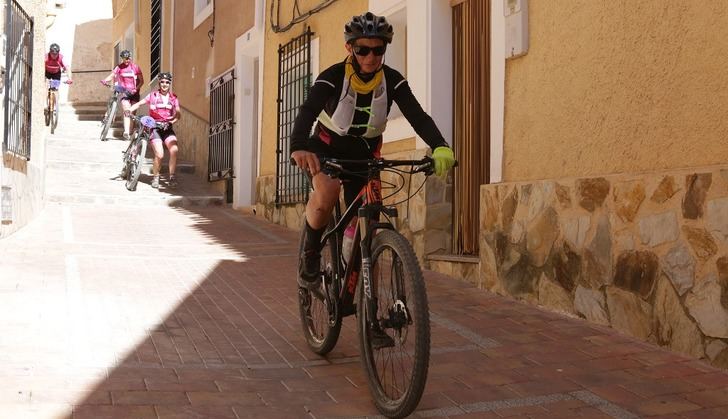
pixel 55 48
pixel 125 54
pixel 165 76
pixel 368 25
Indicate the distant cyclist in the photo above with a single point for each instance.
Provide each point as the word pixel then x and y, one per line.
pixel 54 66
pixel 163 107
pixel 129 76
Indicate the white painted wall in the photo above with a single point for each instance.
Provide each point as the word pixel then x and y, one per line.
pixel 429 43
pixel 249 54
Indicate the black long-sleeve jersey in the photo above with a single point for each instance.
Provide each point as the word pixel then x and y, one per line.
pixel 325 95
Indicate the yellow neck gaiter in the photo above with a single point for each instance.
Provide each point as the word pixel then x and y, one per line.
pixel 358 84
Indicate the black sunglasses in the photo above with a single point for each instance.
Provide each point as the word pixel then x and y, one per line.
pixel 364 51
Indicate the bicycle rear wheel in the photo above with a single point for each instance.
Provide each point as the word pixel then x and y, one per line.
pixel 320 317
pixel 54 114
pixel 396 374
pixel 136 160
pixel 108 118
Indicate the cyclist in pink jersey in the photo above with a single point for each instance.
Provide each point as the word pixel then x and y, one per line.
pixel 163 107
pixel 54 66
pixel 129 76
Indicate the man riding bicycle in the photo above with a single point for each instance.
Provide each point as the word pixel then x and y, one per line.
pixel 349 102
pixel 54 66
pixel 129 76
pixel 163 107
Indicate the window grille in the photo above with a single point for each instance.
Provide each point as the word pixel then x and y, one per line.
pixel 156 39
pixel 220 135
pixel 18 80
pixel 294 81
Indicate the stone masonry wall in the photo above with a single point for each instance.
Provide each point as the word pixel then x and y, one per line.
pixel 646 254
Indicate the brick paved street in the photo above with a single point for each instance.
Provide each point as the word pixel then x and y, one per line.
pixel 117 310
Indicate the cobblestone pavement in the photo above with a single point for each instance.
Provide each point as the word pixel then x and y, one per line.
pixel 116 310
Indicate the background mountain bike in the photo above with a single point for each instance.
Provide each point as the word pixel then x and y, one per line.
pixel 390 298
pixel 51 110
pixel 112 106
pixel 137 149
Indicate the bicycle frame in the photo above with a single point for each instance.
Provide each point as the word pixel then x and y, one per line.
pixel 367 206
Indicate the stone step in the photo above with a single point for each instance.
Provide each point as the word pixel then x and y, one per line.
pixel 81 104
pixel 101 187
pixel 134 199
pixel 112 167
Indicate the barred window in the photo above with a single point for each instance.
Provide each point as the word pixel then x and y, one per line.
pixel 18 80
pixel 156 39
pixel 294 81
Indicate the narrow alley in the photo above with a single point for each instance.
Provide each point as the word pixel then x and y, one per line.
pixel 167 304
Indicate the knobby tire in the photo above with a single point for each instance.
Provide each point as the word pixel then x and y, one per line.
pixel 109 118
pixel 398 277
pixel 135 170
pixel 321 322
pixel 54 114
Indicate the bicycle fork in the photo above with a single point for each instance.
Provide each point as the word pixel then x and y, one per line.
pixel 366 266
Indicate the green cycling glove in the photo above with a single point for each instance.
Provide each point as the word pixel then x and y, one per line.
pixel 444 160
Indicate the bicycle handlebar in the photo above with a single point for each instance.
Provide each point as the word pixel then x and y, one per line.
pixel 148 122
pixel 335 167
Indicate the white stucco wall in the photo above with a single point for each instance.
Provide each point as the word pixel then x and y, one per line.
pixel 429 43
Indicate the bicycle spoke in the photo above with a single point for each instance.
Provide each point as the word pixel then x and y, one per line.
pixel 397 369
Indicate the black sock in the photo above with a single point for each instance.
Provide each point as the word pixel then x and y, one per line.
pixel 313 238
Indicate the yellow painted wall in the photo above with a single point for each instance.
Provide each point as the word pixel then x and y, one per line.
pixel 123 17
pixel 328 26
pixel 617 86
pixel 195 60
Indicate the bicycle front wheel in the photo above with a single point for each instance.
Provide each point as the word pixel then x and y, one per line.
pixel 108 118
pixel 126 168
pixel 320 318
pixel 397 366
pixel 54 114
pixel 136 160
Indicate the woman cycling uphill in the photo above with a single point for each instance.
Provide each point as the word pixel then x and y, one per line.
pixel 129 76
pixel 54 66
pixel 163 107
pixel 350 102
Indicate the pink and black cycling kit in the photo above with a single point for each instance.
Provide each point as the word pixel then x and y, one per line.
pixel 163 109
pixel 126 76
pixel 53 66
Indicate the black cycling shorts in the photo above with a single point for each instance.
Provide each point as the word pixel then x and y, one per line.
pixel 132 98
pixel 53 76
pixel 163 133
pixel 352 186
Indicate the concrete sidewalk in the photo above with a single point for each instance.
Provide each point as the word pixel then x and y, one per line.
pixel 116 311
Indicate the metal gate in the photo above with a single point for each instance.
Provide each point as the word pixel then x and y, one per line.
pixel 18 80
pixel 222 102
pixel 294 80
